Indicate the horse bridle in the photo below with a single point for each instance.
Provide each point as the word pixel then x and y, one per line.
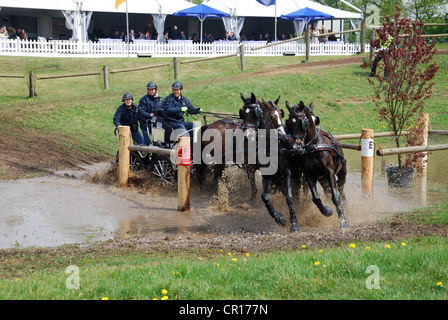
pixel 305 124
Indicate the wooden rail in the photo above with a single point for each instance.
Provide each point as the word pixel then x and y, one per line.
pixel 140 68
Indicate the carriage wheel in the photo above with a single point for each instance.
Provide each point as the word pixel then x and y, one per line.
pixel 136 162
pixel 164 169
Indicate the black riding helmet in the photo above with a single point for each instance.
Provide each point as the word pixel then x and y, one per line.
pixel 151 85
pixel 127 95
pixel 177 85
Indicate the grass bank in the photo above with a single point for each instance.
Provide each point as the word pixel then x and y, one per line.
pixel 401 269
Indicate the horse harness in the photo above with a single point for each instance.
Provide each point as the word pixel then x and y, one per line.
pixel 316 144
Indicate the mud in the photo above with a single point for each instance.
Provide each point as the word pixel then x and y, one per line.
pixel 86 207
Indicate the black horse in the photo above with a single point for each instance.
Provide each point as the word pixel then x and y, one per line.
pixel 319 156
pixel 283 177
pixel 250 120
pixel 341 171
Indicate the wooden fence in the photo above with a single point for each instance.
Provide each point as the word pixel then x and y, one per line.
pixel 367 146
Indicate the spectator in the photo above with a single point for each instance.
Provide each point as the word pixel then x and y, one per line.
pixel 115 35
pixel 127 115
pixel 323 39
pixel 315 35
pixel 266 38
pixel 23 35
pixel 182 36
pixel 3 32
pixel 148 35
pixel 141 36
pixel 131 36
pixel 166 37
pixel 12 33
pixel 232 36
pixel 175 34
pixel 147 107
pixel 195 38
pixel 332 37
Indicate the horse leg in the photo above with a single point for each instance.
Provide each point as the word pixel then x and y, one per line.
pixel 325 210
pixel 278 217
pixel 335 197
pixel 342 178
pixel 250 171
pixel 290 202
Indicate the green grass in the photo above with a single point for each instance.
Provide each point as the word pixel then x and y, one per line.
pixel 407 270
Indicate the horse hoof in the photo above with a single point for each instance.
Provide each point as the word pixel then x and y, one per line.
pixel 327 211
pixel 343 225
pixel 294 228
pixel 280 219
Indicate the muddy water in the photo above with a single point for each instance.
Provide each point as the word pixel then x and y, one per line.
pixel 68 208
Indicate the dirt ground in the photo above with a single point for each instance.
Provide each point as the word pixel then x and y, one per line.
pixel 27 156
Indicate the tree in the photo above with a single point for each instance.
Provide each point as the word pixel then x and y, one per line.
pixel 405 74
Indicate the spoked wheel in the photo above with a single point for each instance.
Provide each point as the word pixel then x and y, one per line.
pixel 136 162
pixel 164 169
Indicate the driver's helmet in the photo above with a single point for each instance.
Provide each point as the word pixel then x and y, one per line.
pixel 127 95
pixel 177 85
pixel 151 85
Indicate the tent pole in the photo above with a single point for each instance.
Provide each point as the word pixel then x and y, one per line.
pixel 275 29
pixel 127 27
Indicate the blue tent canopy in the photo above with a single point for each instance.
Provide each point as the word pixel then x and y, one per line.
pixel 201 11
pixel 306 14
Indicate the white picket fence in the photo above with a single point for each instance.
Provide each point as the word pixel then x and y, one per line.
pixel 176 48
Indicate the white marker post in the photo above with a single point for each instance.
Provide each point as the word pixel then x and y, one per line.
pixel 367 153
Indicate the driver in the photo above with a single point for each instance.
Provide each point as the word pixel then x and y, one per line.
pixel 174 107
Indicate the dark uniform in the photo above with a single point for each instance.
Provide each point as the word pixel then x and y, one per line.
pixel 125 116
pixel 172 110
pixel 148 104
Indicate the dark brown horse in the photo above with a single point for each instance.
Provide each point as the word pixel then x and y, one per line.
pixel 341 172
pixel 319 156
pixel 282 178
pixel 250 120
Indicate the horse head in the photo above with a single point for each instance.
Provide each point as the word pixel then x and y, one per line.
pixel 273 115
pixel 300 125
pixel 297 108
pixel 251 113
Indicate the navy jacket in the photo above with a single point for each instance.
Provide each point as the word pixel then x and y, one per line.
pixel 127 117
pixel 148 104
pixel 172 108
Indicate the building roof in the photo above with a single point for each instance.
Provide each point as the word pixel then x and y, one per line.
pixel 252 8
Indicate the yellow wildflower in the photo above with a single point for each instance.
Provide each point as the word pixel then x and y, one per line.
pixel 164 298
pixel 164 291
pixel 352 245
pixel 387 246
pixel 105 298
pixel 316 263
pixel 440 283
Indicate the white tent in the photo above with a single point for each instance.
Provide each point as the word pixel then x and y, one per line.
pixel 79 12
pixel 252 8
